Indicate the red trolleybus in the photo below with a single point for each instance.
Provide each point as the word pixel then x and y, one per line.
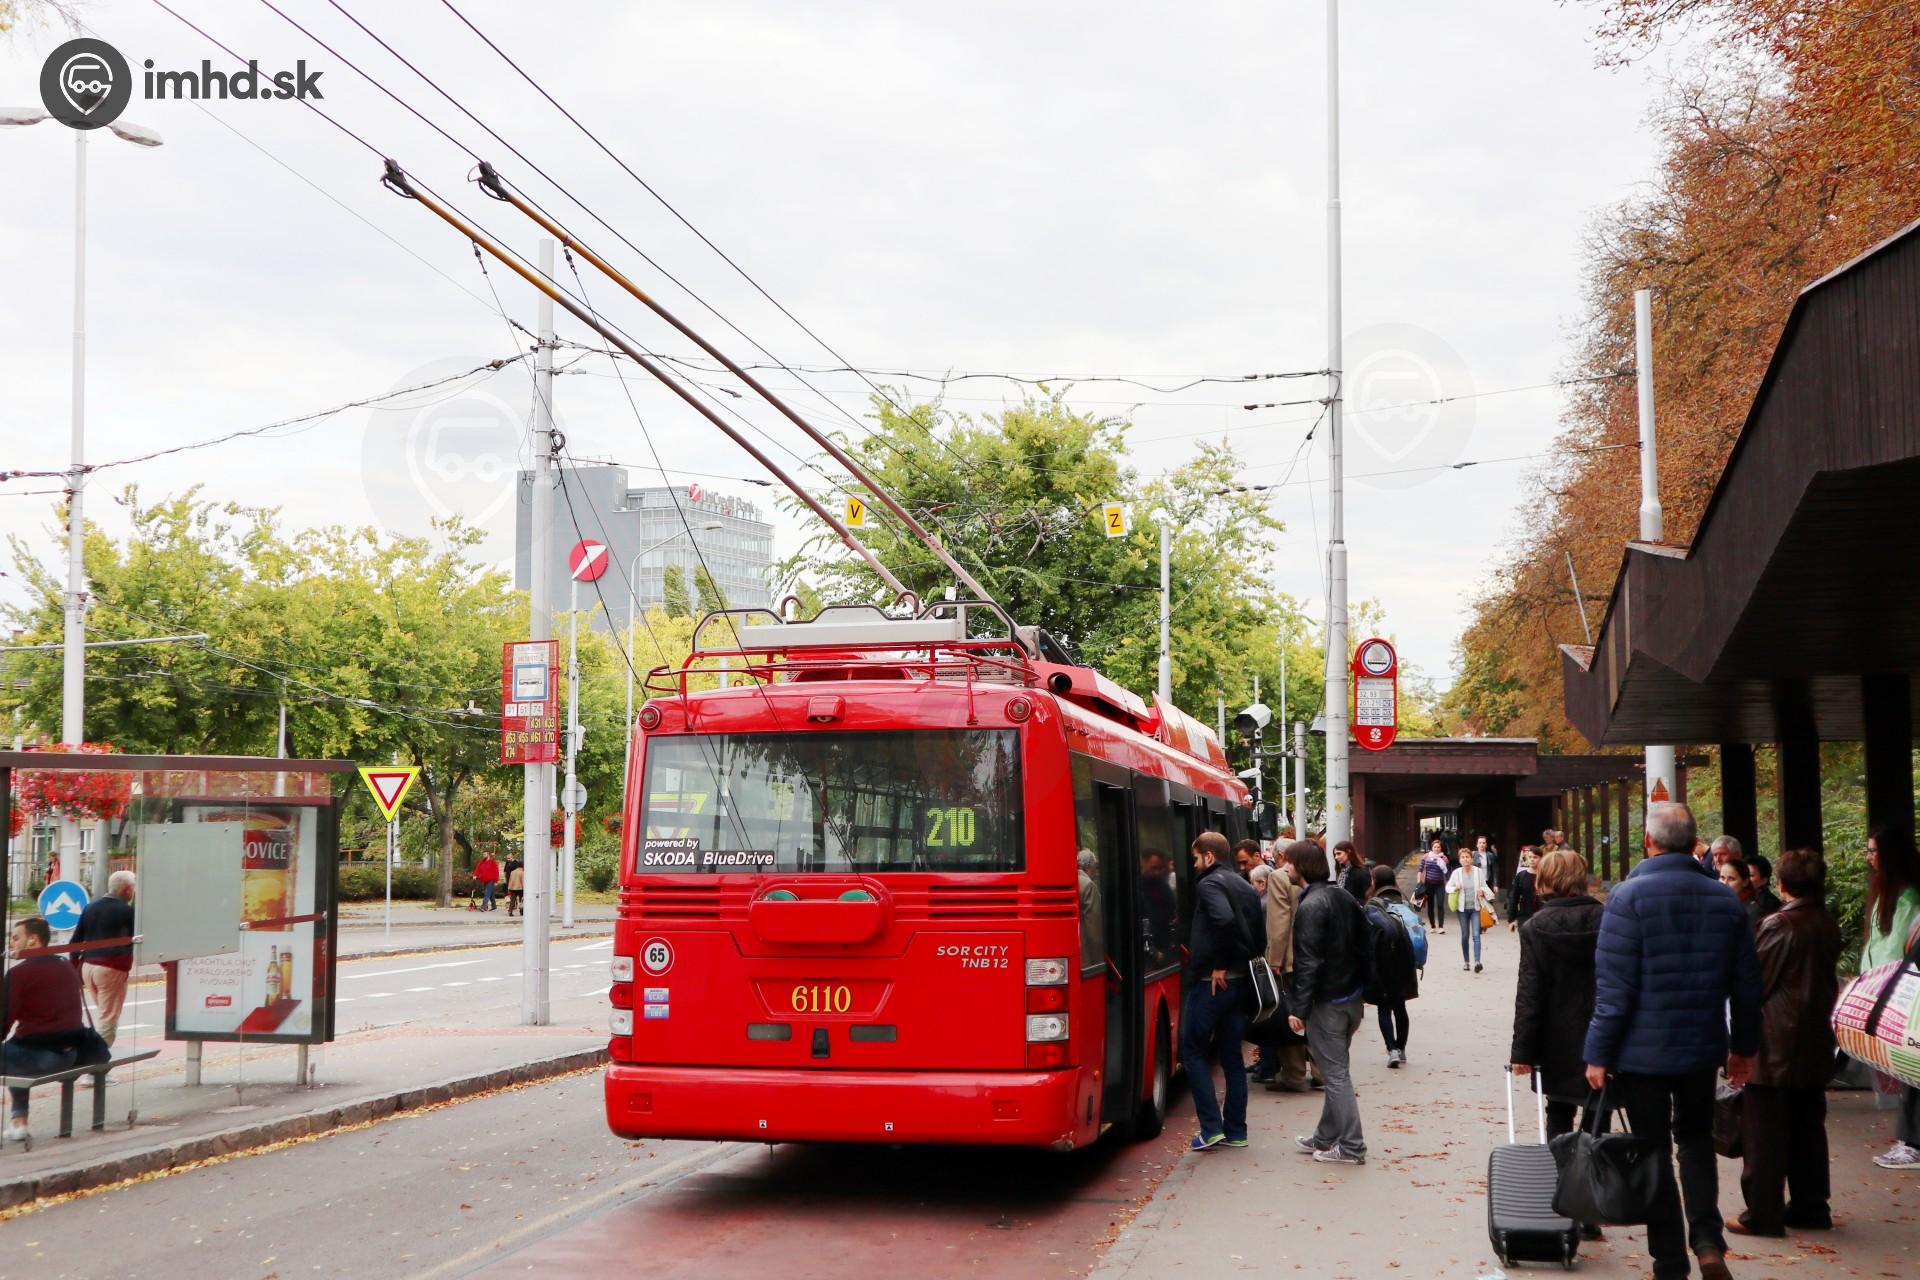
pixel 899 885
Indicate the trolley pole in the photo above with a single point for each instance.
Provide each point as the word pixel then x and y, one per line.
pixel 535 931
pixel 1339 815
pixel 1661 767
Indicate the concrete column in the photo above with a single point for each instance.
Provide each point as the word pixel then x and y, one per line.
pixel 1586 817
pixel 1606 831
pixel 1739 795
pixel 1626 844
pixel 1799 780
pixel 1886 706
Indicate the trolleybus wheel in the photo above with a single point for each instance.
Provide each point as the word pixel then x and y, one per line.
pixel 1151 1116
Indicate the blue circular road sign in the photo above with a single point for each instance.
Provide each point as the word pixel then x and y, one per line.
pixel 62 902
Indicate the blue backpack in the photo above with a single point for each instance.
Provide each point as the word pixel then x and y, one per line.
pixel 1416 932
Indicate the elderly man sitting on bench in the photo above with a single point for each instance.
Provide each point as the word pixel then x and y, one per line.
pixel 49 1026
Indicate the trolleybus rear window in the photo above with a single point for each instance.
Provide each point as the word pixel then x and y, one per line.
pixel 920 800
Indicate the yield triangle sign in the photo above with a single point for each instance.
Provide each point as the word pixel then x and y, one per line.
pixel 389 785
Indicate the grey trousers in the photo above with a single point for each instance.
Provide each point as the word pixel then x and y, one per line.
pixel 1330 1029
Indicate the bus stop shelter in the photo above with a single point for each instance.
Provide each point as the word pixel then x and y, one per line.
pixel 1501 788
pixel 1793 618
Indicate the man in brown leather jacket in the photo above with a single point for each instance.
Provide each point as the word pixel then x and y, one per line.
pixel 1283 895
pixel 1784 1113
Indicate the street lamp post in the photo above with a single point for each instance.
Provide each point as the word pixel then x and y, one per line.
pixel 74 661
pixel 633 596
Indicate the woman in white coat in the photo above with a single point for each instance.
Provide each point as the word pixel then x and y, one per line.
pixel 1470 883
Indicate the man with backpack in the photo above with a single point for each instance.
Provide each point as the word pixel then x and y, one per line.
pixel 1396 965
pixel 1229 932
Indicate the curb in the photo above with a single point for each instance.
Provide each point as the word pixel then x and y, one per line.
pixel 1124 1252
pixel 165 1156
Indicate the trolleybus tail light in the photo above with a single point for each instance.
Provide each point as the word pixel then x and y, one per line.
pixel 649 717
pixel 1043 1028
pixel 620 1022
pixel 1047 973
pixel 623 969
pixel 620 995
pixel 1043 1057
pixel 1018 709
pixel 1046 999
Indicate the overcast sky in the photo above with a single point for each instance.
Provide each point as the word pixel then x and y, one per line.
pixel 1064 189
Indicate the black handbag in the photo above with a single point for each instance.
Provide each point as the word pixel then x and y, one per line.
pixel 1611 1178
pixel 1266 991
pixel 1728 1105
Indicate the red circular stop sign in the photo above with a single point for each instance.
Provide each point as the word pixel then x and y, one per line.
pixel 587 560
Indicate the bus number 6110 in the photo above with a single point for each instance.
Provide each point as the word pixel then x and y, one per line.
pixel 822 999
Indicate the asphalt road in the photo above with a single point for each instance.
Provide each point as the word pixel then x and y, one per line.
pixel 530 1180
pixel 400 1198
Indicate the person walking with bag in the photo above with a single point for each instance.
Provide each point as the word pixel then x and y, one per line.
pixel 1553 999
pixel 1229 932
pixel 1783 1109
pixel 1469 882
pixel 1433 884
pixel 1332 955
pixel 1396 977
pixel 1674 960
pixel 1893 914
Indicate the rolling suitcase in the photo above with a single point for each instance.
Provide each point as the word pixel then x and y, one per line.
pixel 1521 1222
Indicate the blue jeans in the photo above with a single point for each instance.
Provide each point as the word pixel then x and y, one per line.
pixel 1215 1024
pixel 24 1060
pixel 486 896
pixel 1470 928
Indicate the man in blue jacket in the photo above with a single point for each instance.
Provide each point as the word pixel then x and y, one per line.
pixel 1676 956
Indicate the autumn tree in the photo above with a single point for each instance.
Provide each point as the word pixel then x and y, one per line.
pixel 1788 152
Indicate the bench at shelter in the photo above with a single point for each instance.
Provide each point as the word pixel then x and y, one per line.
pixel 66 1079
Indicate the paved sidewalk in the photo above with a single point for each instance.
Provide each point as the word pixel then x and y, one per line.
pixel 1418 1206
pixel 249 1096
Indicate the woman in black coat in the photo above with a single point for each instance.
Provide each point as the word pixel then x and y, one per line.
pixel 1554 1000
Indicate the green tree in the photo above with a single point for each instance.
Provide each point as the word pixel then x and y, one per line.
pixel 674 588
pixel 712 598
pixel 1017 496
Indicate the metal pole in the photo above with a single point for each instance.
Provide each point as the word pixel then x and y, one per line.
pixel 1284 810
pixel 1299 780
pixel 1339 816
pixel 633 594
pixel 393 851
pixel 1220 717
pixel 567 806
pixel 534 928
pixel 1166 621
pixel 1661 767
pixel 1258 766
pixel 73 671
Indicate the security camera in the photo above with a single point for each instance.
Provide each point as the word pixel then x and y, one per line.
pixel 1248 774
pixel 1251 721
pixel 1319 726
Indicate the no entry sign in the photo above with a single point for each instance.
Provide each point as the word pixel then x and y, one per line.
pixel 1376 694
pixel 587 560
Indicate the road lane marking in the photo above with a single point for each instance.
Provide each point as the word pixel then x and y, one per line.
pixel 654 1179
pixel 414 991
pixel 601 945
pixel 384 973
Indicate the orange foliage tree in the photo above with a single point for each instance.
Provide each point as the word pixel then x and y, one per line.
pixel 1788 150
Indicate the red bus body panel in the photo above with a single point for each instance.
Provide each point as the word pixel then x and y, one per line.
pixel 938 957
